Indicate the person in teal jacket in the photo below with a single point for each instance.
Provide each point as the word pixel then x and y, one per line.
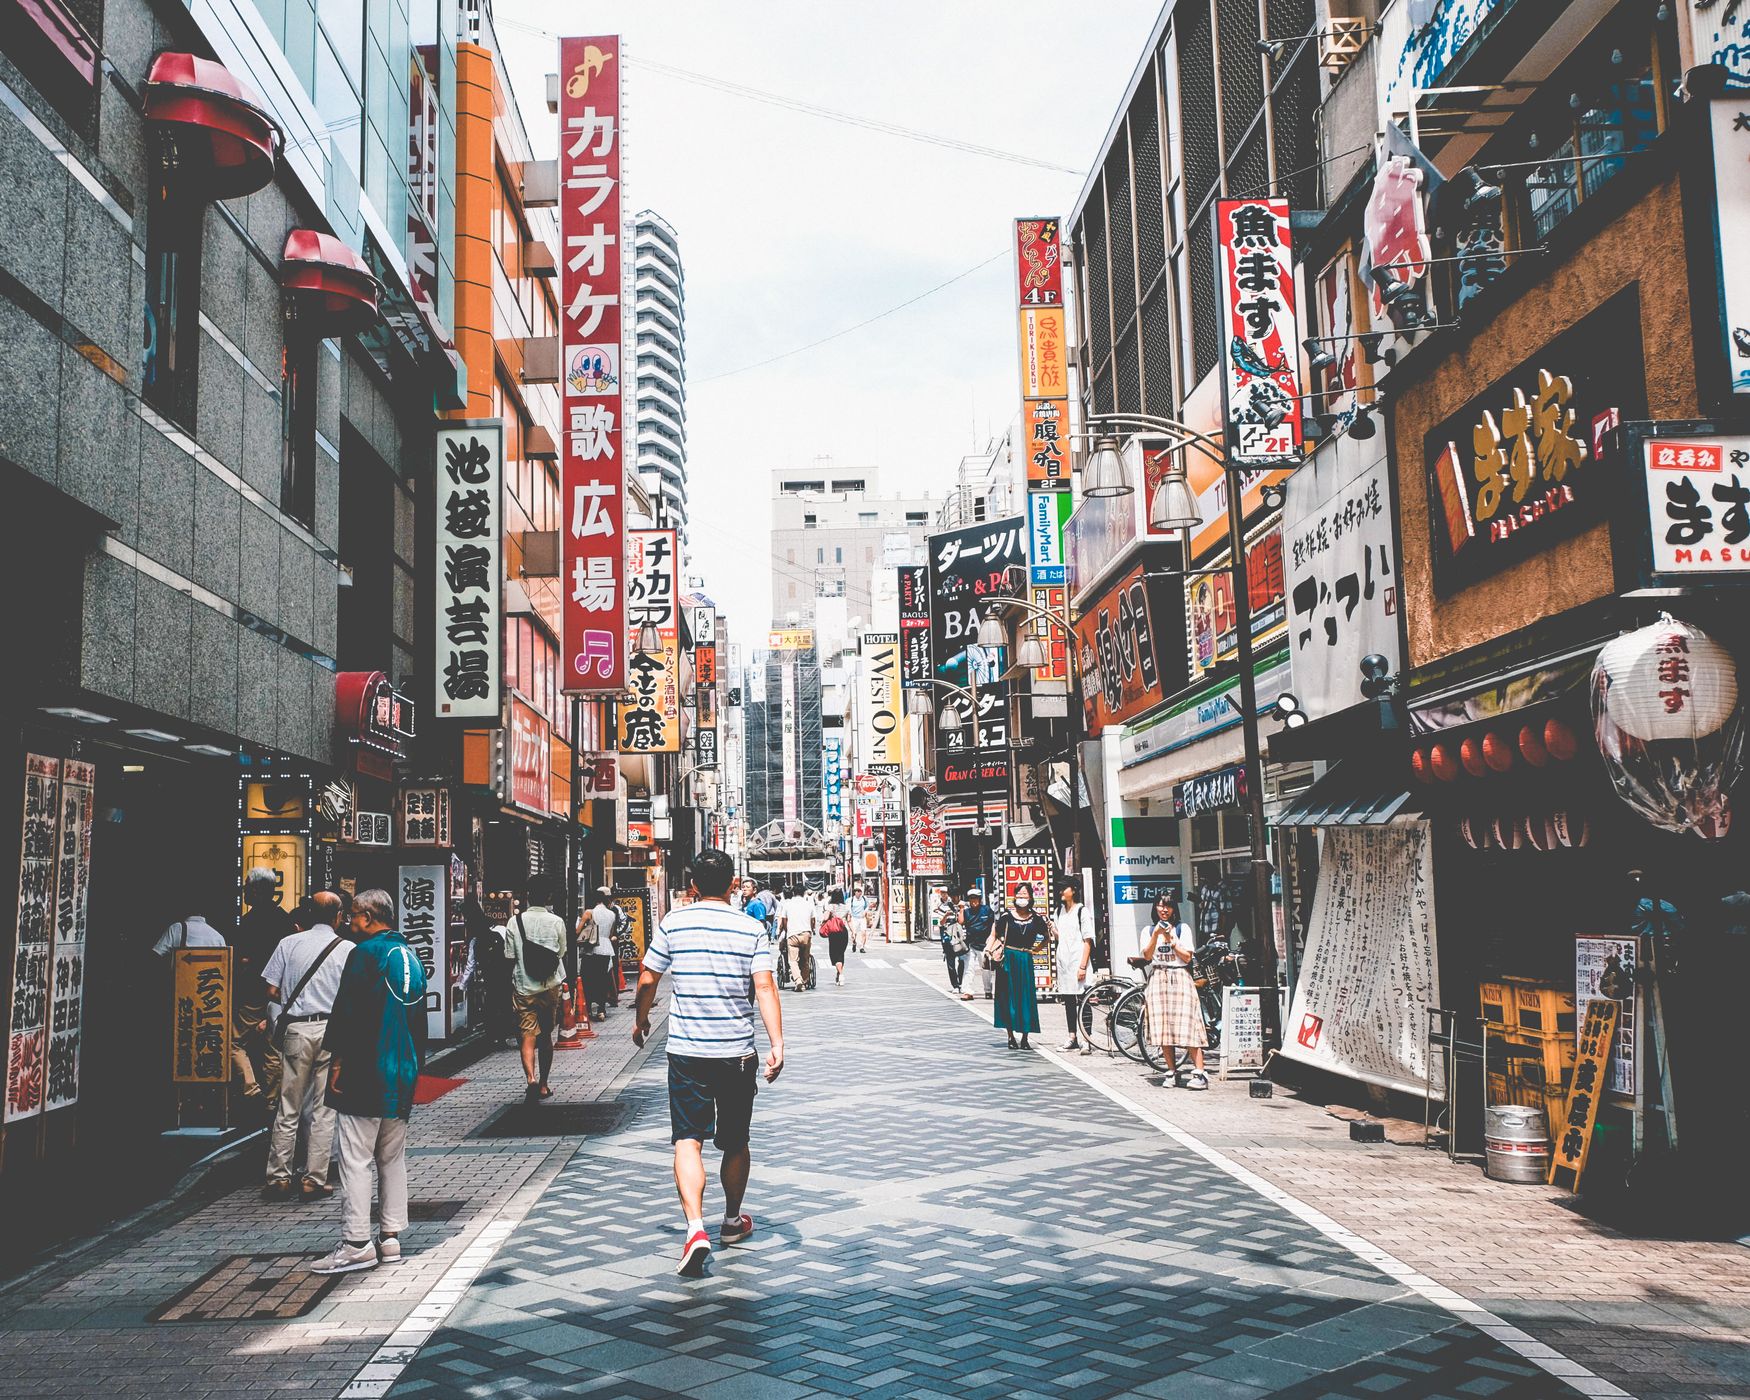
pixel 376 1038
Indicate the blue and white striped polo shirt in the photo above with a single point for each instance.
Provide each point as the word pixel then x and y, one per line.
pixel 712 951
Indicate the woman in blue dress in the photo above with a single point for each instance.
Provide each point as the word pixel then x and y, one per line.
pixel 1018 934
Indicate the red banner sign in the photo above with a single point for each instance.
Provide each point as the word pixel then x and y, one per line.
pixel 592 471
pixel 1260 379
pixel 531 757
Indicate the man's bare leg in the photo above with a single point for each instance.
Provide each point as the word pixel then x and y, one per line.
pixel 689 1177
pixel 733 1174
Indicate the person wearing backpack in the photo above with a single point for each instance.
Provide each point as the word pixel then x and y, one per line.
pixel 596 931
pixel 534 941
pixel 838 936
pixel 302 976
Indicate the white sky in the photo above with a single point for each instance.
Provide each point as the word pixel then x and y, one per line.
pixel 792 227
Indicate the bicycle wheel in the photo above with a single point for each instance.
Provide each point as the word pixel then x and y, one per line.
pixel 1125 1022
pixel 1094 1012
pixel 1148 1040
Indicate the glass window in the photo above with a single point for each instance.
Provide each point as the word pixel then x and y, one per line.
pixel 1206 831
pixel 344 23
pixel 174 222
pixel 298 427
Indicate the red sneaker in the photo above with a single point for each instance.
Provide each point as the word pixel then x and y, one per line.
pixel 737 1230
pixel 693 1256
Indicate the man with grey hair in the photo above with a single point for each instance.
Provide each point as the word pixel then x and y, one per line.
pixel 303 977
pixel 376 1040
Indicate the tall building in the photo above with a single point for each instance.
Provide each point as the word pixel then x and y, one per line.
pixel 659 307
pixel 985 488
pixel 782 756
pixel 831 531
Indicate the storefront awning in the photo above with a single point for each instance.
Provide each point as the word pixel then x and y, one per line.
pixel 333 287
pixel 1350 794
pixel 222 129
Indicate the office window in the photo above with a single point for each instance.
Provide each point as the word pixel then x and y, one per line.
pixel 838 554
pixel 298 426
pixel 174 219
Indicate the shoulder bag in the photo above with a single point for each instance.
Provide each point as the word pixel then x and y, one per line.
pixel 284 1019
pixel 539 963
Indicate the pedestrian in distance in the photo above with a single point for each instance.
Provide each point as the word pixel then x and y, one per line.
pixel 722 963
pixel 302 976
pixel 376 1045
pixel 953 935
pixel 1175 1017
pixel 838 937
pixel 596 930
pixel 535 944
pixel 797 921
pixel 859 909
pixel 1074 954
pixel 1015 937
pixel 978 922
pixel 265 923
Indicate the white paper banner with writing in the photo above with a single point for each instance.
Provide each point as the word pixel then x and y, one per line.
pixel 1369 972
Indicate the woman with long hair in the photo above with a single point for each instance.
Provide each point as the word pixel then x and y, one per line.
pixel 1015 937
pixel 1074 956
pixel 1175 1017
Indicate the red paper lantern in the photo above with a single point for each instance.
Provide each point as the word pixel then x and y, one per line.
pixel 1420 766
pixel 1444 764
pixel 1470 753
pixel 1497 752
pixel 1531 747
pixel 1509 834
pixel 1559 740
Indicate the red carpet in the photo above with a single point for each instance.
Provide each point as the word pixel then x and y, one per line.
pixel 432 1087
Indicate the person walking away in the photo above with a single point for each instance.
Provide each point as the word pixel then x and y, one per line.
pixel 264 926
pixel 376 1045
pixel 1016 936
pixel 722 965
pixel 302 978
pixel 978 922
pixel 1074 954
pixel 1175 1018
pixel 796 924
pixel 858 911
pixel 534 941
pixel 487 955
pixel 595 952
pixel 953 936
pixel 838 938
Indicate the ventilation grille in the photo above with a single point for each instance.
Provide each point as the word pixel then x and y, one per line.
pixel 1145 147
pixel 1242 77
pixel 1094 236
pixel 1158 350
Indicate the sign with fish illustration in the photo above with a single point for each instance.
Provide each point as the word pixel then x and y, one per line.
pixel 1260 374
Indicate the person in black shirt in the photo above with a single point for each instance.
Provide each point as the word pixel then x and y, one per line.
pixel 1019 932
pixel 254 1061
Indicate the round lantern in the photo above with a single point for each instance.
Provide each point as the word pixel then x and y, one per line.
pixel 1445 766
pixel 1475 832
pixel 1497 752
pixel 1540 832
pixel 1559 739
pixel 1531 747
pixel 1470 753
pixel 1667 681
pixel 1507 833
pixel 1421 767
pixel 1570 828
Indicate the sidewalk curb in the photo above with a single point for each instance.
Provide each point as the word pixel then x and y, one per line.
pixel 1523 1344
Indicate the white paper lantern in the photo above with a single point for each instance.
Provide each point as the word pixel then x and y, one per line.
pixel 1667 681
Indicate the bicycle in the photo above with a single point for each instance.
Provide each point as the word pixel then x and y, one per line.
pixel 1094 1013
pixel 1128 1018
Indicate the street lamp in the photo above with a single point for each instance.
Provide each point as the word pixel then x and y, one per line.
pixel 1173 506
pixel 648 639
pixel 950 722
pixel 1104 475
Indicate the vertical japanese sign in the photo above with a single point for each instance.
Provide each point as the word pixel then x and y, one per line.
pixel 421 904
pixel 1260 377
pixel 926 842
pixel 1052 600
pixel 1047 514
pixel 592 501
pixel 1214 633
pixel 787 733
pixel 72 886
pixel 883 739
pixel 200 1016
pixel 650 720
pixel 27 1044
pixel 914 627
pixel 531 757
pixel 1044 353
pixel 470 570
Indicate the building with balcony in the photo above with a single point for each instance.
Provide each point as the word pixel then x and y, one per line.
pixel 660 384
pixel 832 529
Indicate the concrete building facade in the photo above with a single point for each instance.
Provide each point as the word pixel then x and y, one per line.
pixel 660 322
pixel 832 531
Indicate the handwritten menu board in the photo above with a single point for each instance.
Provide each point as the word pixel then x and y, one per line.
pixel 1592 959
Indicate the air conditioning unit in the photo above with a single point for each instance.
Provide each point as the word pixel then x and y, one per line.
pixel 541 359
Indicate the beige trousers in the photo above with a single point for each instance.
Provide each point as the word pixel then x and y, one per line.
pixel 362 1142
pixel 303 1075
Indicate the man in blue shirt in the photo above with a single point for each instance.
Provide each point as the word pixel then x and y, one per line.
pixel 722 963
pixel 978 922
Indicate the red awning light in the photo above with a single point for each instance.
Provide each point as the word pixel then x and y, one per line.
pixel 331 283
pixel 220 125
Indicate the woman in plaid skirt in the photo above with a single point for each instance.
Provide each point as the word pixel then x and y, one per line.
pixel 1175 1016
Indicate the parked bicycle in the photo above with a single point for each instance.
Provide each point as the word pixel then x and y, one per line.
pixel 1213 966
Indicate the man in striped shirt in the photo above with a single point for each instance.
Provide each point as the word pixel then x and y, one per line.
pixel 722 963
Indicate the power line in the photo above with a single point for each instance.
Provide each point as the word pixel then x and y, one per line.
pixel 812 109
pixel 868 321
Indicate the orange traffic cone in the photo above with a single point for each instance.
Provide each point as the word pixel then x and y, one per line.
pixel 574 1027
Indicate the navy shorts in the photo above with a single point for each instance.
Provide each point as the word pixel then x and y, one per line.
pixel 712 1098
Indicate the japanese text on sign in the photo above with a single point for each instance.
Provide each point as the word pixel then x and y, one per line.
pixel 592 471
pixel 470 571
pixel 1698 498
pixel 1044 355
pixel 650 716
pixel 201 1016
pixel 1260 377
pixel 422 889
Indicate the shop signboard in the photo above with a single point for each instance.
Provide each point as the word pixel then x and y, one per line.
pixel 375 719
pixel 1053 600
pixel 1145 859
pixel 1047 514
pixel 598 774
pixel 705 746
pixel 790 639
pixel 1596 957
pixel 420 904
pixel 1516 468
pixel 926 842
pixel 72 891
pixel 1260 375
pixel 832 776
pixel 1597 1025
pixel 1418 42
pixel 530 769
pixel 287 855
pixel 1698 505
pixel 1214 633
pixel 425 816
pixel 703 625
pixel 1242 1029
pixel 634 936
pixel 914 627
pixel 1223 790
pixel 1369 973
pixel 469 564
pixel 969 761
pixel 1044 354
pixel 1340 567
pixel 1115 643
pixel 968 567
pixel 705 667
pixel 1036 873
pixel 200 1017
pixel 882 735
pixel 650 718
pixel 640 822
pixel 591 486
pixel 1201 714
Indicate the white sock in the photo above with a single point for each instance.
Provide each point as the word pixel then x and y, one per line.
pixel 694 1225
pixel 732 1219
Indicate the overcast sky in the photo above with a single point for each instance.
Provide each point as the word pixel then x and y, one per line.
pixel 793 227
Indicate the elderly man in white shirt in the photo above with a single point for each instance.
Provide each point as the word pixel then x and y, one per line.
pixel 303 975
pixel 190 931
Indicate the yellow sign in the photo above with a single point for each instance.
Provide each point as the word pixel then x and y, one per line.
pixel 650 715
pixel 1591 1078
pixel 791 639
pixel 286 856
pixel 284 800
pixel 201 1016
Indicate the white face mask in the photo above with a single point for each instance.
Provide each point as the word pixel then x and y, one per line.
pixel 1023 902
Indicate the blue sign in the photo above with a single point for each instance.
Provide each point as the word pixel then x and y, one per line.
pixel 1128 889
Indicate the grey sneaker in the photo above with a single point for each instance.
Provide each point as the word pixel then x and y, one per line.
pixel 389 1250
pixel 1197 1079
pixel 345 1259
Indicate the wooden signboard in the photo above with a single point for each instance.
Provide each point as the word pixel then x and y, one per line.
pixel 201 1017
pixel 1591 1079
